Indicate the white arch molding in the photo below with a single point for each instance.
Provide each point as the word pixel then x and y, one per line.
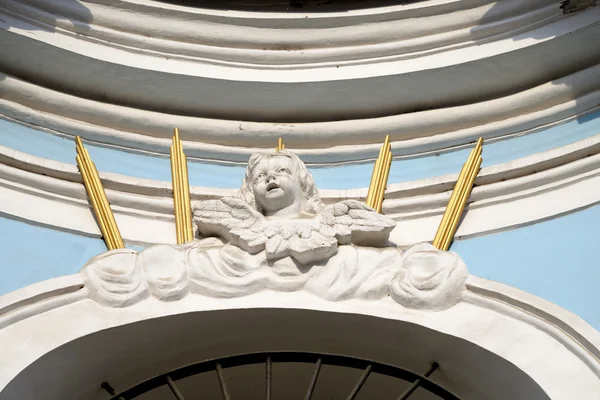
pixel 333 84
pixel 497 343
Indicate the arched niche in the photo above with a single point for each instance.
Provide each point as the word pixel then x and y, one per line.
pixel 131 353
pixel 497 343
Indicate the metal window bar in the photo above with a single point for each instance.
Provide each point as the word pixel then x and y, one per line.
pixel 417 383
pixel 174 389
pixel 313 381
pixel 367 366
pixel 268 379
pixel 360 383
pixel 222 382
pixel 110 390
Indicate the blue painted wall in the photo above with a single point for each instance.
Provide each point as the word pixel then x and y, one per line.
pixel 42 144
pixel 557 260
pixel 30 254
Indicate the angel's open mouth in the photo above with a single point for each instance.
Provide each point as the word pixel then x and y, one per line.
pixel 272 186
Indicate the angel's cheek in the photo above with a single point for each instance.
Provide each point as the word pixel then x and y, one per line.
pixel 258 189
pixel 290 185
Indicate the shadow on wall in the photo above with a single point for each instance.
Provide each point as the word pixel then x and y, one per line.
pixel 558 64
pixel 533 65
pixel 289 5
pixel 135 352
pixel 571 6
pixel 48 16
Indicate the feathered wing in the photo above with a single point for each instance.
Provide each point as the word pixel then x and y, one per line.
pixel 304 240
pixel 354 222
pixel 233 220
pixel 237 222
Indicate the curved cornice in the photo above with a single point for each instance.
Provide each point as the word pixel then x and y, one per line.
pixel 517 193
pixel 332 142
pixel 435 75
pixel 307 38
pixel 134 76
pixel 181 87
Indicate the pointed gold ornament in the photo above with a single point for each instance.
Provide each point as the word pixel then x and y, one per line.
pixel 181 191
pixel 97 195
pixel 379 179
pixel 458 199
pixel 280 145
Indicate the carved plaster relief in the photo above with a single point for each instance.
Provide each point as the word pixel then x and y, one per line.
pixel 421 278
pixel 278 235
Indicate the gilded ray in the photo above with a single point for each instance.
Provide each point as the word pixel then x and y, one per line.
pixel 280 145
pixel 379 179
pixel 181 192
pixel 97 195
pixel 458 199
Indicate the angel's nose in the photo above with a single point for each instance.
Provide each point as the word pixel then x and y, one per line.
pixel 270 178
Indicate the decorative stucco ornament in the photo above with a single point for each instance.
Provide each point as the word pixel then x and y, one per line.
pixel 305 239
pixel 278 235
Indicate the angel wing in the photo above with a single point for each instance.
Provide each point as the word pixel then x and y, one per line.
pixel 304 239
pixel 234 220
pixel 354 222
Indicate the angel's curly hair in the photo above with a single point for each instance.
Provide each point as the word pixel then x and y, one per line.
pixel 307 183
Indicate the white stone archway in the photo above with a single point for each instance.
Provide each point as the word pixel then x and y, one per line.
pixel 496 343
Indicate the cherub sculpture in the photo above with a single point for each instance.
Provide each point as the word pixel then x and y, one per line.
pixel 278 235
pixel 279 210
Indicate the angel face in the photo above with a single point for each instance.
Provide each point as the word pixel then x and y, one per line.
pixel 276 186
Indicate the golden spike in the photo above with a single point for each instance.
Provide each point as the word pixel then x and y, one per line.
pixel 379 183
pixel 174 185
pixel 279 145
pixel 187 197
pixel 457 210
pixel 176 189
pixel 180 186
pixel 92 197
pixel 462 204
pixel 380 178
pixel 97 195
pixel 103 200
pixel 185 194
pixel 181 191
pixel 457 193
pixel 374 178
pixel 453 207
pixel 387 164
pixel 96 201
pixel 376 185
pixel 377 175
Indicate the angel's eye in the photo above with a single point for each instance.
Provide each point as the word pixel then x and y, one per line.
pixel 283 171
pixel 260 177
